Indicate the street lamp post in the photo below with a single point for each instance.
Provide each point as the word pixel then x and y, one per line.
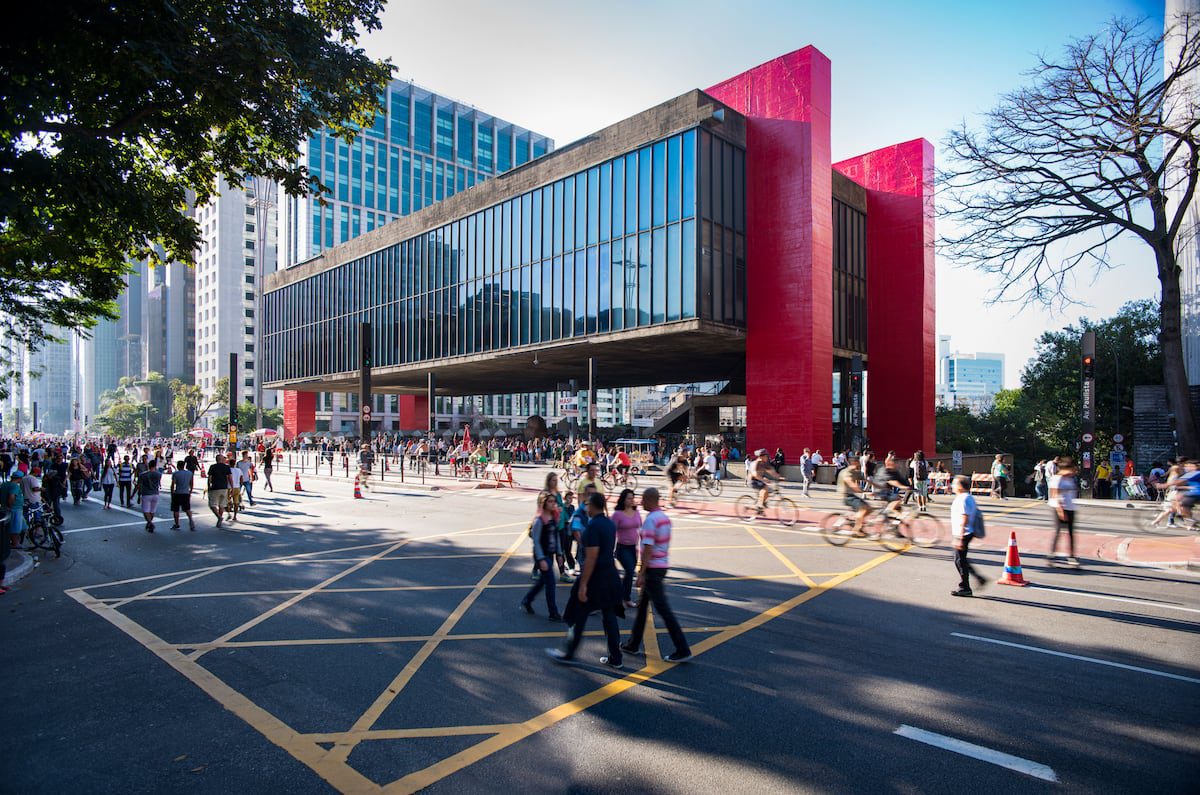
pixel 263 202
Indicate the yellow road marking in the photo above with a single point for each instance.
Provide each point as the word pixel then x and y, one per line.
pixel 782 557
pixel 342 750
pixel 342 777
pixel 401 734
pixel 650 638
pixel 452 764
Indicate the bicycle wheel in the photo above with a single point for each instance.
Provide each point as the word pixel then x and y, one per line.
pixel 786 512
pixel 630 482
pixel 689 485
pixel 924 530
pixel 714 487
pixel 746 507
pixel 837 529
pixel 37 535
pixel 55 537
pixel 892 539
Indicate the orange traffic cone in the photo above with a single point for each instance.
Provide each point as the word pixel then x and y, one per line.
pixel 357 490
pixel 298 482
pixel 1012 565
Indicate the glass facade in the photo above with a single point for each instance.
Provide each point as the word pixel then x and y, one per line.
pixel 421 148
pixel 653 236
pixel 849 278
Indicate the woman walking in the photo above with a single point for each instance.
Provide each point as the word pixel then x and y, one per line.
pixel 544 532
pixel 108 481
pixel 564 558
pixel 1063 490
pixel 628 520
pixel 268 460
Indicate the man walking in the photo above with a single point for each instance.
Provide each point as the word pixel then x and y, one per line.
pixel 181 495
pixel 125 483
pixel 963 514
pixel 149 484
pixel 219 483
pixel 656 542
pixel 598 588
pixel 807 469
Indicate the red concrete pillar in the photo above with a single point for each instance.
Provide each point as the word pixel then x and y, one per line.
pixel 901 301
pixel 789 250
pixel 414 412
pixel 299 413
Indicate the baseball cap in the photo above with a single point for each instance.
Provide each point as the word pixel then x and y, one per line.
pixel 17 474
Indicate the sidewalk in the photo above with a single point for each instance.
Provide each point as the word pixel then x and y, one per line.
pixel 19 565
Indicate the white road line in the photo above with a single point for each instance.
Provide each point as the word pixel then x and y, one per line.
pixel 103 527
pixel 979 752
pixel 1093 660
pixel 1146 602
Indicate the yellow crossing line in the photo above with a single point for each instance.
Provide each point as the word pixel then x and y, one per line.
pixel 520 731
pixel 782 557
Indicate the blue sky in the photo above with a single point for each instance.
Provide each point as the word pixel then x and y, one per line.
pixel 900 71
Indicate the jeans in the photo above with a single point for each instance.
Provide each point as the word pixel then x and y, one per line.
pixel 612 633
pixel 126 492
pixel 108 490
pixel 1067 524
pixel 805 480
pixel 1039 488
pixel 627 557
pixel 965 569
pixel 249 487
pixel 545 580
pixel 652 591
pixel 565 542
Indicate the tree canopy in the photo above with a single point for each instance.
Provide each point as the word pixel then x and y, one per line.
pixel 1101 143
pixel 119 116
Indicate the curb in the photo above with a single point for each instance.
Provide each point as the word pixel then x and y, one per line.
pixel 1176 565
pixel 375 483
pixel 25 565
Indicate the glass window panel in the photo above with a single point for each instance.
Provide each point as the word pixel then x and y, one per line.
pixel 618 284
pixel 605 200
pixel 673 278
pixel 727 251
pixel 483 152
pixel 631 281
pixel 645 280
pixel 399 118
pixel 523 301
pixel 705 175
pixel 466 142
pixel 445 133
pixel 717 210
pixel 618 196
pixel 727 184
pixel 581 209
pixel 569 214
pixel 660 184
pixel 423 127
pixel 537 221
pixel 581 293
pixel 631 192
pixel 739 189
pixel 673 183
pixel 688 281
pixel 739 265
pixel 706 274
pixel 547 300
pixel 645 188
pixel 568 294
pixel 718 280
pixel 659 271
pixel 535 302
pixel 503 150
pixel 593 207
pixel 603 323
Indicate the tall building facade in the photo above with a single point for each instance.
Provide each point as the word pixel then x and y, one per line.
pixel 238 246
pixel 421 149
pixel 1184 104
pixel 968 379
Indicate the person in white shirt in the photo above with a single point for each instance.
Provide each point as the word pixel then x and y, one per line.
pixel 817 458
pixel 963 512
pixel 710 463
pixel 235 492
pixel 1063 490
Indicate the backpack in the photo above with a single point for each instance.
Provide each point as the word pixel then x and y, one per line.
pixel 977 526
pixel 921 470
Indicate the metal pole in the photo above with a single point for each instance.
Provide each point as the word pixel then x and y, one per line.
pixel 591 402
pixel 234 377
pixel 1087 408
pixel 263 202
pixel 364 383
pixel 431 390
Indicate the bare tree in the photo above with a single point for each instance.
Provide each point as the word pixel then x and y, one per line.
pixel 1099 145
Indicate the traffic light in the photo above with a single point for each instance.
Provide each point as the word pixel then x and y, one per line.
pixel 1089 366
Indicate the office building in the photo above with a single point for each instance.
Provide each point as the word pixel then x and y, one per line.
pixel 1184 103
pixel 639 248
pixel 968 379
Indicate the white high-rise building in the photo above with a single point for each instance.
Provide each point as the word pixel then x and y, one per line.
pixel 968 379
pixel 1184 103
pixel 238 247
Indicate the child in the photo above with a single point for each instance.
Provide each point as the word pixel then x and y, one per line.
pixel 566 561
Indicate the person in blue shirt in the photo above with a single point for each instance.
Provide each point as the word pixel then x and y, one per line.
pixel 12 499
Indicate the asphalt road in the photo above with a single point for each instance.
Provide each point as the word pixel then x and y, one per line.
pixel 329 644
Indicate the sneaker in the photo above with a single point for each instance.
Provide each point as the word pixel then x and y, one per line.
pixel 560 656
pixel 962 592
pixel 174 527
pixel 191 525
pixel 526 607
pixel 616 666
pixel 149 527
pixel 555 617
pixel 564 577
pixel 678 656
pixel 628 649
pixel 1073 561
pixel 220 522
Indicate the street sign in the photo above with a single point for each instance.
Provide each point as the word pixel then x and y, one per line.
pixel 956 462
pixel 1088 438
pixel 1118 438
pixel 366 411
pixel 568 406
pixel 1117 459
pixel 1118 448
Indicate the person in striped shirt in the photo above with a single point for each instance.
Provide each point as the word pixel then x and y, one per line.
pixel 656 543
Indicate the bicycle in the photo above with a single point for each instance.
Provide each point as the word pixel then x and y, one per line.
pixel 893 531
pixel 786 511
pixel 693 483
pixel 40 533
pixel 614 480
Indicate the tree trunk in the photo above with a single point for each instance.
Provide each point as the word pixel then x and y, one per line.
pixel 1179 399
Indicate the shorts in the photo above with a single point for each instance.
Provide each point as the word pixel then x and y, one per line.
pixel 854 502
pixel 757 484
pixel 181 502
pixel 217 498
pixel 922 487
pixel 235 498
pixel 16 522
pixel 1187 501
pixel 149 503
pixel 885 494
pixel 675 477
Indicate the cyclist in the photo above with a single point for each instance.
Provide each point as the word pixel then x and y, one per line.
pixel 677 472
pixel 1188 488
pixel 762 471
pixel 591 477
pixel 889 485
pixel 851 492
pixel 584 456
pixel 622 464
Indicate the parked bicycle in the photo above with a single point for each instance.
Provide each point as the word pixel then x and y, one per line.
pixel 786 511
pixel 42 534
